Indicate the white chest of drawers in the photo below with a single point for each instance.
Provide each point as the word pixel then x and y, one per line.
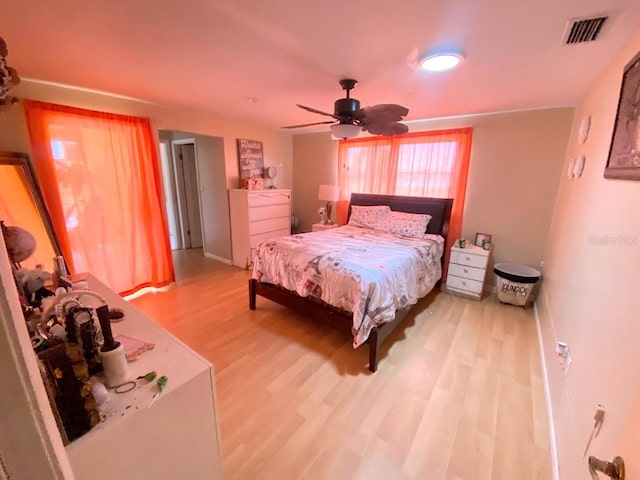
pixel 256 216
pixel 467 269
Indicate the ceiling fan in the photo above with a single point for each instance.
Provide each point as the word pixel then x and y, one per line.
pixel 383 119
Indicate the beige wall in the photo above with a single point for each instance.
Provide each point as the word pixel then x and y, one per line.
pixel 590 297
pixel 516 160
pixel 277 144
pixel 315 158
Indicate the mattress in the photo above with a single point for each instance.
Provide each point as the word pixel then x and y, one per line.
pixel 369 273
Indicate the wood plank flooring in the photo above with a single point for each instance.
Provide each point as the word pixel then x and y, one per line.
pixel 458 394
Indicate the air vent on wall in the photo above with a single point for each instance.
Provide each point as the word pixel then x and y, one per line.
pixel 581 30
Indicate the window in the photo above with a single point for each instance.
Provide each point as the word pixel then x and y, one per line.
pixel 424 167
pixel 101 183
pixel 423 164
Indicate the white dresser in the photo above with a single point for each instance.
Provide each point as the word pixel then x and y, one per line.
pixel 177 435
pixel 467 269
pixel 256 216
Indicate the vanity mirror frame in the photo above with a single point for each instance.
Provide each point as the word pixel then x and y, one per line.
pixel 22 160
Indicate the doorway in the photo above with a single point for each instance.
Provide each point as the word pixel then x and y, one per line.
pixel 186 175
pixel 179 165
pixel 195 188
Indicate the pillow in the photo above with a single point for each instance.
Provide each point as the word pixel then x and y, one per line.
pixel 406 224
pixel 368 217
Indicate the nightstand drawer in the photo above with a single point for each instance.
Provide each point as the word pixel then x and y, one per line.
pixel 464 284
pixel 464 271
pixel 463 258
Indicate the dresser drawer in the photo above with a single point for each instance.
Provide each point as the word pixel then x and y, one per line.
pixel 257 239
pixel 268 211
pixel 464 271
pixel 463 258
pixel 269 225
pixel 464 284
pixel 258 199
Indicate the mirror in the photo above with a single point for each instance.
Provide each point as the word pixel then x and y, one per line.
pixel 22 205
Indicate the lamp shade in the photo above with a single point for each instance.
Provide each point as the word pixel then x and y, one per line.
pixel 328 193
pixel 345 130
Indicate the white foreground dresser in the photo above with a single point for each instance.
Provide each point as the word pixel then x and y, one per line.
pixel 256 216
pixel 175 436
pixel 467 269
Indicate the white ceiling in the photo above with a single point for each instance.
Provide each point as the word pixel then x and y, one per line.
pixel 216 55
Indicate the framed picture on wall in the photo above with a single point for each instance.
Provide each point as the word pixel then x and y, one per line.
pixel 624 153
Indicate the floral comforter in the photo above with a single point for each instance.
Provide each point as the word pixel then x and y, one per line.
pixel 367 272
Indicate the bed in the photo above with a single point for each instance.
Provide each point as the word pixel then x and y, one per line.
pixel 335 315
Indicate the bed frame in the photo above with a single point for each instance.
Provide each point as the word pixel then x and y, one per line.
pixel 440 211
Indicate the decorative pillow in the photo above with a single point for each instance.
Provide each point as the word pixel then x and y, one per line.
pixel 368 217
pixel 406 224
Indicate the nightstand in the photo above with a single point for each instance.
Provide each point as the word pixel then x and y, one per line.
pixel 318 227
pixel 467 269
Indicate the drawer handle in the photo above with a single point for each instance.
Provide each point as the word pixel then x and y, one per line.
pixel 464 283
pixel 468 258
pixel 465 270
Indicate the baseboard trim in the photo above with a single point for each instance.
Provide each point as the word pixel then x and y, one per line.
pixel 553 446
pixel 226 261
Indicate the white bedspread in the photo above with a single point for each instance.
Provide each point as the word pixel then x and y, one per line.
pixel 367 272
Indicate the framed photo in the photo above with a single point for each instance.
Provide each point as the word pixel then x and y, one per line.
pixel 483 240
pixel 624 153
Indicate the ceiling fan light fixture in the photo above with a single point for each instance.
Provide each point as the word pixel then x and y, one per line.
pixel 345 130
pixel 440 62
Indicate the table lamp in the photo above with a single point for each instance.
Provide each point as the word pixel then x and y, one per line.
pixel 329 193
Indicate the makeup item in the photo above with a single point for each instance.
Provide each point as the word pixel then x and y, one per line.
pixel 112 356
pixel 100 392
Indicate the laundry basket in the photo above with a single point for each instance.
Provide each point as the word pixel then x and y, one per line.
pixel 515 282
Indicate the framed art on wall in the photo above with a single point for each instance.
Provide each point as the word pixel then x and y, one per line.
pixel 624 153
pixel 251 163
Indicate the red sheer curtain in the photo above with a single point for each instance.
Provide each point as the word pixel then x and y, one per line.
pixel 424 164
pixel 99 176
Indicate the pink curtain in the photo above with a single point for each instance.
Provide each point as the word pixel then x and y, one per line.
pixel 99 176
pixel 424 164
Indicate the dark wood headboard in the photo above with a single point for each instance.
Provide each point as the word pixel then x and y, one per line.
pixel 438 208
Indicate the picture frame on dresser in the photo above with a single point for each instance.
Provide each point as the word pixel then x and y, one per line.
pixel 481 238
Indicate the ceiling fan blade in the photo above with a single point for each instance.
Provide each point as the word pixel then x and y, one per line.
pixel 309 124
pixel 382 113
pixel 314 110
pixel 387 129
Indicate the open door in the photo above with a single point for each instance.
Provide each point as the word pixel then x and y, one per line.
pixel 186 175
pixel 170 199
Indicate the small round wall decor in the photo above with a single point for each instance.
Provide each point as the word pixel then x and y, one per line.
pixel 583 131
pixel 571 168
pixel 578 168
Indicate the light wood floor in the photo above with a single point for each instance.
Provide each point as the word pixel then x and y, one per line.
pixel 458 393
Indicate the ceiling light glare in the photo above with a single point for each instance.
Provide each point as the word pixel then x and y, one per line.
pixel 440 62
